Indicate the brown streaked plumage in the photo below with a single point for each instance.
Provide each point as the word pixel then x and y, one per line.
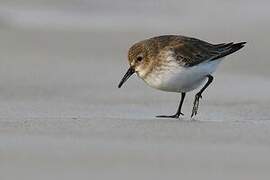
pixel 177 63
pixel 188 51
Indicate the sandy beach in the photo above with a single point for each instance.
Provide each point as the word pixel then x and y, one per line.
pixel 63 117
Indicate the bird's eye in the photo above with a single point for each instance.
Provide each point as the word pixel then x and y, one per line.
pixel 139 58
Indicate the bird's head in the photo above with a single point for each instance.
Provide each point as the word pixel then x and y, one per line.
pixel 139 58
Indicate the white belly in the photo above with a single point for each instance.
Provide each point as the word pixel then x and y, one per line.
pixel 182 79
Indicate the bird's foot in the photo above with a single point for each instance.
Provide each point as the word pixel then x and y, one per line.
pixel 175 116
pixel 196 104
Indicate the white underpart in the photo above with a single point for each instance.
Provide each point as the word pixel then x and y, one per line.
pixel 175 78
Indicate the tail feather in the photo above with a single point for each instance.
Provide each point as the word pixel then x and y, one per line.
pixel 223 45
pixel 226 49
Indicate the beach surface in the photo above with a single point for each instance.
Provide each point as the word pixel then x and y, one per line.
pixel 63 117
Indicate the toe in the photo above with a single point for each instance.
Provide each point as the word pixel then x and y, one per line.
pixel 165 116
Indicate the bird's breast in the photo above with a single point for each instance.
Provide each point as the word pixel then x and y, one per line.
pixel 180 79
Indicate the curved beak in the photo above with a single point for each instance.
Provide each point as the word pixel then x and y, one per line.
pixel 129 72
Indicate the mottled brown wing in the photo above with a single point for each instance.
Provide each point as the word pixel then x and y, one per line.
pixel 189 51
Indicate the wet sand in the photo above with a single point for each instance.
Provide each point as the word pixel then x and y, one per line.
pixel 62 116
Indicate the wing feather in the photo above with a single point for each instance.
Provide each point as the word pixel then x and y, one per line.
pixel 190 51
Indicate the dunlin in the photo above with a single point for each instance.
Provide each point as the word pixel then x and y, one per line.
pixel 177 64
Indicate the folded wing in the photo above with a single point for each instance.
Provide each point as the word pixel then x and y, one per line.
pixel 189 52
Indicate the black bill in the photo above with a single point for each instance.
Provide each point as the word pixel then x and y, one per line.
pixel 129 72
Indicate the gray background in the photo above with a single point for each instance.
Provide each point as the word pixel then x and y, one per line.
pixel 62 116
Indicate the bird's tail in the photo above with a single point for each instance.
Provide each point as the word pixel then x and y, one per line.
pixel 228 48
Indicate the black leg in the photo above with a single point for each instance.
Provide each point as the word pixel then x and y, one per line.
pixel 199 95
pixel 178 113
